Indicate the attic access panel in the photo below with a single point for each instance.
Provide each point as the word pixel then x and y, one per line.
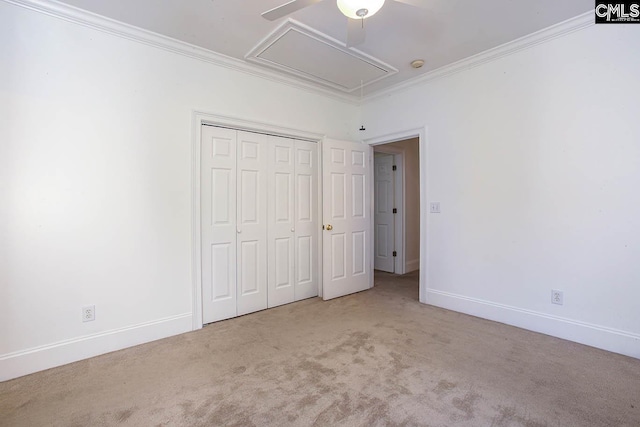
pixel 304 52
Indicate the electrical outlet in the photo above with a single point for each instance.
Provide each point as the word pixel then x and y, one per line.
pixel 89 313
pixel 434 207
pixel 557 297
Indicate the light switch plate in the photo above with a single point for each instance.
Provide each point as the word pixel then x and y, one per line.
pixel 435 207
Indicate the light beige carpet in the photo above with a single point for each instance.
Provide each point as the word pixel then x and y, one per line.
pixel 377 358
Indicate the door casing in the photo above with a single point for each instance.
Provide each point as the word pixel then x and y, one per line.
pixel 422 134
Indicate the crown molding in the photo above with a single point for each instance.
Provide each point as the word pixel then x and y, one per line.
pixel 110 26
pixel 555 31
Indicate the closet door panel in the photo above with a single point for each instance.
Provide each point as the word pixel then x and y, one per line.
pixel 251 227
pixel 281 217
pixel 218 223
pixel 306 220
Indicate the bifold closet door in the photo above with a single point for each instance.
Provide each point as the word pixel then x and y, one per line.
pixel 218 223
pixel 293 220
pixel 281 217
pixel 307 223
pixel 259 219
pixel 251 222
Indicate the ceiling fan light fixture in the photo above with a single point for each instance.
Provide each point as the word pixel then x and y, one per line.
pixel 359 9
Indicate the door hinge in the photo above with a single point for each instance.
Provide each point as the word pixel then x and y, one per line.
pixel 394 167
pixel 395 210
pixel 395 253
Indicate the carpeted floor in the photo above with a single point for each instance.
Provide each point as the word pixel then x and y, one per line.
pixel 377 358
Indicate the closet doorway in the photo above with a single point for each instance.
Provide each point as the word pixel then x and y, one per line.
pixel 260 226
pixel 340 199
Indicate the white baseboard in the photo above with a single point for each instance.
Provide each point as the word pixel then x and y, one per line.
pixel 36 359
pixel 412 265
pixel 602 337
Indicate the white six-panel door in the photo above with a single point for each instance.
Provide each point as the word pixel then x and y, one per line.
pixel 218 223
pixel 384 233
pixel 346 171
pixel 281 218
pixel 293 222
pixel 307 224
pixel 251 222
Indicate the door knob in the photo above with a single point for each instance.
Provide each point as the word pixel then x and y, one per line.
pixel 293 230
pixel 239 231
pixel 329 227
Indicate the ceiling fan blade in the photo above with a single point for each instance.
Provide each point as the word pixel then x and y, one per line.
pixel 287 8
pixel 417 3
pixel 355 32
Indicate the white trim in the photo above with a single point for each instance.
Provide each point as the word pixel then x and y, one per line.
pixel 609 339
pixel 423 146
pixel 198 119
pixel 412 265
pixel 401 220
pixel 119 29
pixel 293 25
pixel 13 365
pixel 196 231
pixel 320 216
pixel 256 126
pixel 399 201
pixel 558 30
pixel 371 218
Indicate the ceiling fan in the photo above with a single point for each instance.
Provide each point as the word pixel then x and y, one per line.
pixel 355 10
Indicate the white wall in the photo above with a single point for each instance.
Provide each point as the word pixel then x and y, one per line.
pixel 95 182
pixel 535 159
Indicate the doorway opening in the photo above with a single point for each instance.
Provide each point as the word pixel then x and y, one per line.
pixel 397 207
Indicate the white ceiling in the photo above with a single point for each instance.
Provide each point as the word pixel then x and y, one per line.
pixel 444 32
